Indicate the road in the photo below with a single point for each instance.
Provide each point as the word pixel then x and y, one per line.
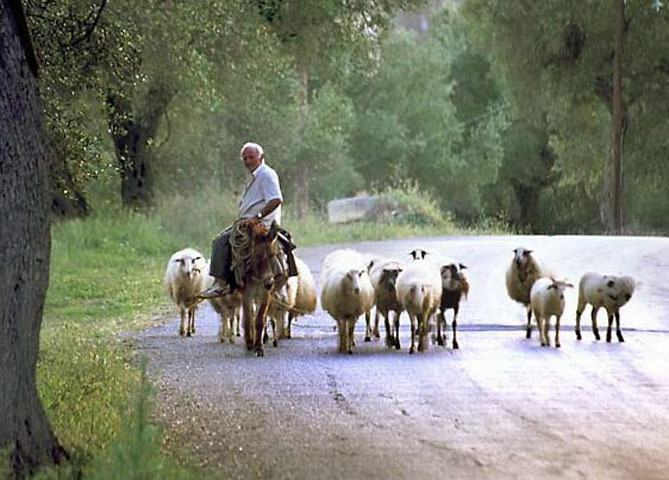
pixel 500 407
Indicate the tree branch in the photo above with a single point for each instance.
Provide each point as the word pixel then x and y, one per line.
pixel 90 26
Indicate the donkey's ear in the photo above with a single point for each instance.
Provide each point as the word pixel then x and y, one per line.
pixel 273 231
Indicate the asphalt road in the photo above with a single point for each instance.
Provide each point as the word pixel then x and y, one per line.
pixel 500 407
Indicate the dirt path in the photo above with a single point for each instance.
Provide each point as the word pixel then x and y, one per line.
pixel 500 407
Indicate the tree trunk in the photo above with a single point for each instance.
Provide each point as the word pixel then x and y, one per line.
pixel 302 177
pixel 25 243
pixel 612 211
pixel 133 135
pixel 528 201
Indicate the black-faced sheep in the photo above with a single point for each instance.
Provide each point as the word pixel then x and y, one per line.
pixel 419 292
pixel 454 287
pixel 346 292
pixel 185 277
pixel 547 299
pixel 608 291
pixel 524 270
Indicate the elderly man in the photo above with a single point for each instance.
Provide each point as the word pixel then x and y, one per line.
pixel 261 202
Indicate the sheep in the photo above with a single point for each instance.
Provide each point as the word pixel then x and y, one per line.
pixel 419 292
pixel 546 300
pixel 305 299
pixel 608 291
pixel 524 270
pixel 346 292
pixel 369 331
pixel 454 286
pixel 228 308
pixel 185 277
pixel 383 275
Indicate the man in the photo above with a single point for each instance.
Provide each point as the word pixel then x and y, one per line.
pixel 261 202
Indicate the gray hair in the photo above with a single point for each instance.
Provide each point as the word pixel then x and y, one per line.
pixel 254 146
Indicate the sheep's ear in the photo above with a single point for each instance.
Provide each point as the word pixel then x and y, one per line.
pixel 569 285
pixel 371 264
pixel 610 284
pixel 179 260
pixel 462 266
pixel 552 286
pixel 527 252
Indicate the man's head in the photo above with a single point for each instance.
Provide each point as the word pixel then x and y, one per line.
pixel 252 156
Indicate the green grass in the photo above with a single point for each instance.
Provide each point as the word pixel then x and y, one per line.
pixel 106 280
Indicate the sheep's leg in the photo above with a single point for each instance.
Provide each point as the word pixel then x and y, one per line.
pixel 577 328
pixel 390 341
pixel 608 329
pixel 397 330
pixel 182 328
pixel 275 341
pixel 343 336
pixel 377 335
pixel 557 331
pixel 546 324
pixel 230 321
pixel 528 330
pixel 423 332
pixel 191 320
pixel 540 327
pixel 593 316
pixel 351 334
pixel 440 320
pixel 619 332
pixel 455 325
pixel 289 331
pixel 413 334
pixel 368 328
pixel 236 320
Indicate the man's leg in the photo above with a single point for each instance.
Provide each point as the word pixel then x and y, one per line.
pixel 220 266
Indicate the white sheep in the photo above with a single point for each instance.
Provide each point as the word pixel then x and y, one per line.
pixel 454 287
pixel 546 300
pixel 346 292
pixel 228 308
pixel 185 276
pixel 524 270
pixel 383 275
pixel 306 296
pixel 608 291
pixel 419 292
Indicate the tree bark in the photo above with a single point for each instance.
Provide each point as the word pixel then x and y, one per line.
pixel 25 243
pixel 302 177
pixel 616 222
pixel 133 135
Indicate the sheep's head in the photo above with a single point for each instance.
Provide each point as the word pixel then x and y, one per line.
pixel 521 257
pixel 418 254
pixel 353 280
pixel 388 278
pixel 453 277
pixel 559 287
pixel 619 289
pixel 189 266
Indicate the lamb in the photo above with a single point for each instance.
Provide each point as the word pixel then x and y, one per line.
pixel 185 277
pixel 346 292
pixel 383 275
pixel 283 300
pixel 546 300
pixel 524 270
pixel 419 292
pixel 608 291
pixel 454 286
pixel 228 308
pixel 305 298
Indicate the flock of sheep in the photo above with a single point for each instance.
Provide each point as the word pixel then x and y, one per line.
pixel 353 283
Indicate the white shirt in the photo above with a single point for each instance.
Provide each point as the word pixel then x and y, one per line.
pixel 261 187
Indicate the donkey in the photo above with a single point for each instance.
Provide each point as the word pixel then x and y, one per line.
pixel 260 271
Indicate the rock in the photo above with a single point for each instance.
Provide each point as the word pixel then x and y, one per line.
pixel 356 209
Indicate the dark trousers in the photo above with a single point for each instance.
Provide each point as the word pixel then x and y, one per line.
pixel 221 256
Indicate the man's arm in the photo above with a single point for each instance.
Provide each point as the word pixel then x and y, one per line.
pixel 270 207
